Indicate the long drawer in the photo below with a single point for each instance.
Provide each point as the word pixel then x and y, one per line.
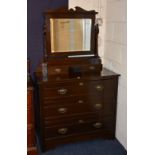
pixel 56 90
pixel 75 128
pixel 78 104
pixel 74 99
pixel 70 109
pixel 76 119
pixel 64 130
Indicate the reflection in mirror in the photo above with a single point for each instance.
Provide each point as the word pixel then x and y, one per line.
pixel 70 35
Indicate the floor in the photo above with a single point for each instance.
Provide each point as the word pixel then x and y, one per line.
pixel 94 147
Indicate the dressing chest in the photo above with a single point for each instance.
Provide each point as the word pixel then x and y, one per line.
pixel 75 96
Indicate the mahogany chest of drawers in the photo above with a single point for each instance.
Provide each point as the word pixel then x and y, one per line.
pixel 75 96
pixel 70 109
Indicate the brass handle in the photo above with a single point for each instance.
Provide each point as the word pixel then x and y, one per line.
pixel 98 106
pixel 99 88
pixel 62 110
pixel 80 121
pixel 80 101
pixel 57 70
pixel 62 91
pixel 91 67
pixel 81 83
pixel 62 131
pixel 97 125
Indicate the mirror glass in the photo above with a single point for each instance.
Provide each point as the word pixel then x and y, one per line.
pixel 69 35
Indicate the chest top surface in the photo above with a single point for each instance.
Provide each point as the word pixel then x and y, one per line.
pixel 103 74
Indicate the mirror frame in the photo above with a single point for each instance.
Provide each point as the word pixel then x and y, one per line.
pixel 78 13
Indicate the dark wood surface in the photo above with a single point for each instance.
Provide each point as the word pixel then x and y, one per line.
pixel 89 99
pixel 32 151
pixel 31 142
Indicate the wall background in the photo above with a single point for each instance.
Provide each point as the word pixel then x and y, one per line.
pixel 115 58
pixel 35 9
pixel 113 50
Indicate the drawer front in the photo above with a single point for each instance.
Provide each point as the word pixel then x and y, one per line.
pixel 93 103
pixel 78 124
pixel 64 69
pixel 64 130
pixel 72 88
pixel 72 109
pixel 32 151
pixel 75 99
pixel 77 119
